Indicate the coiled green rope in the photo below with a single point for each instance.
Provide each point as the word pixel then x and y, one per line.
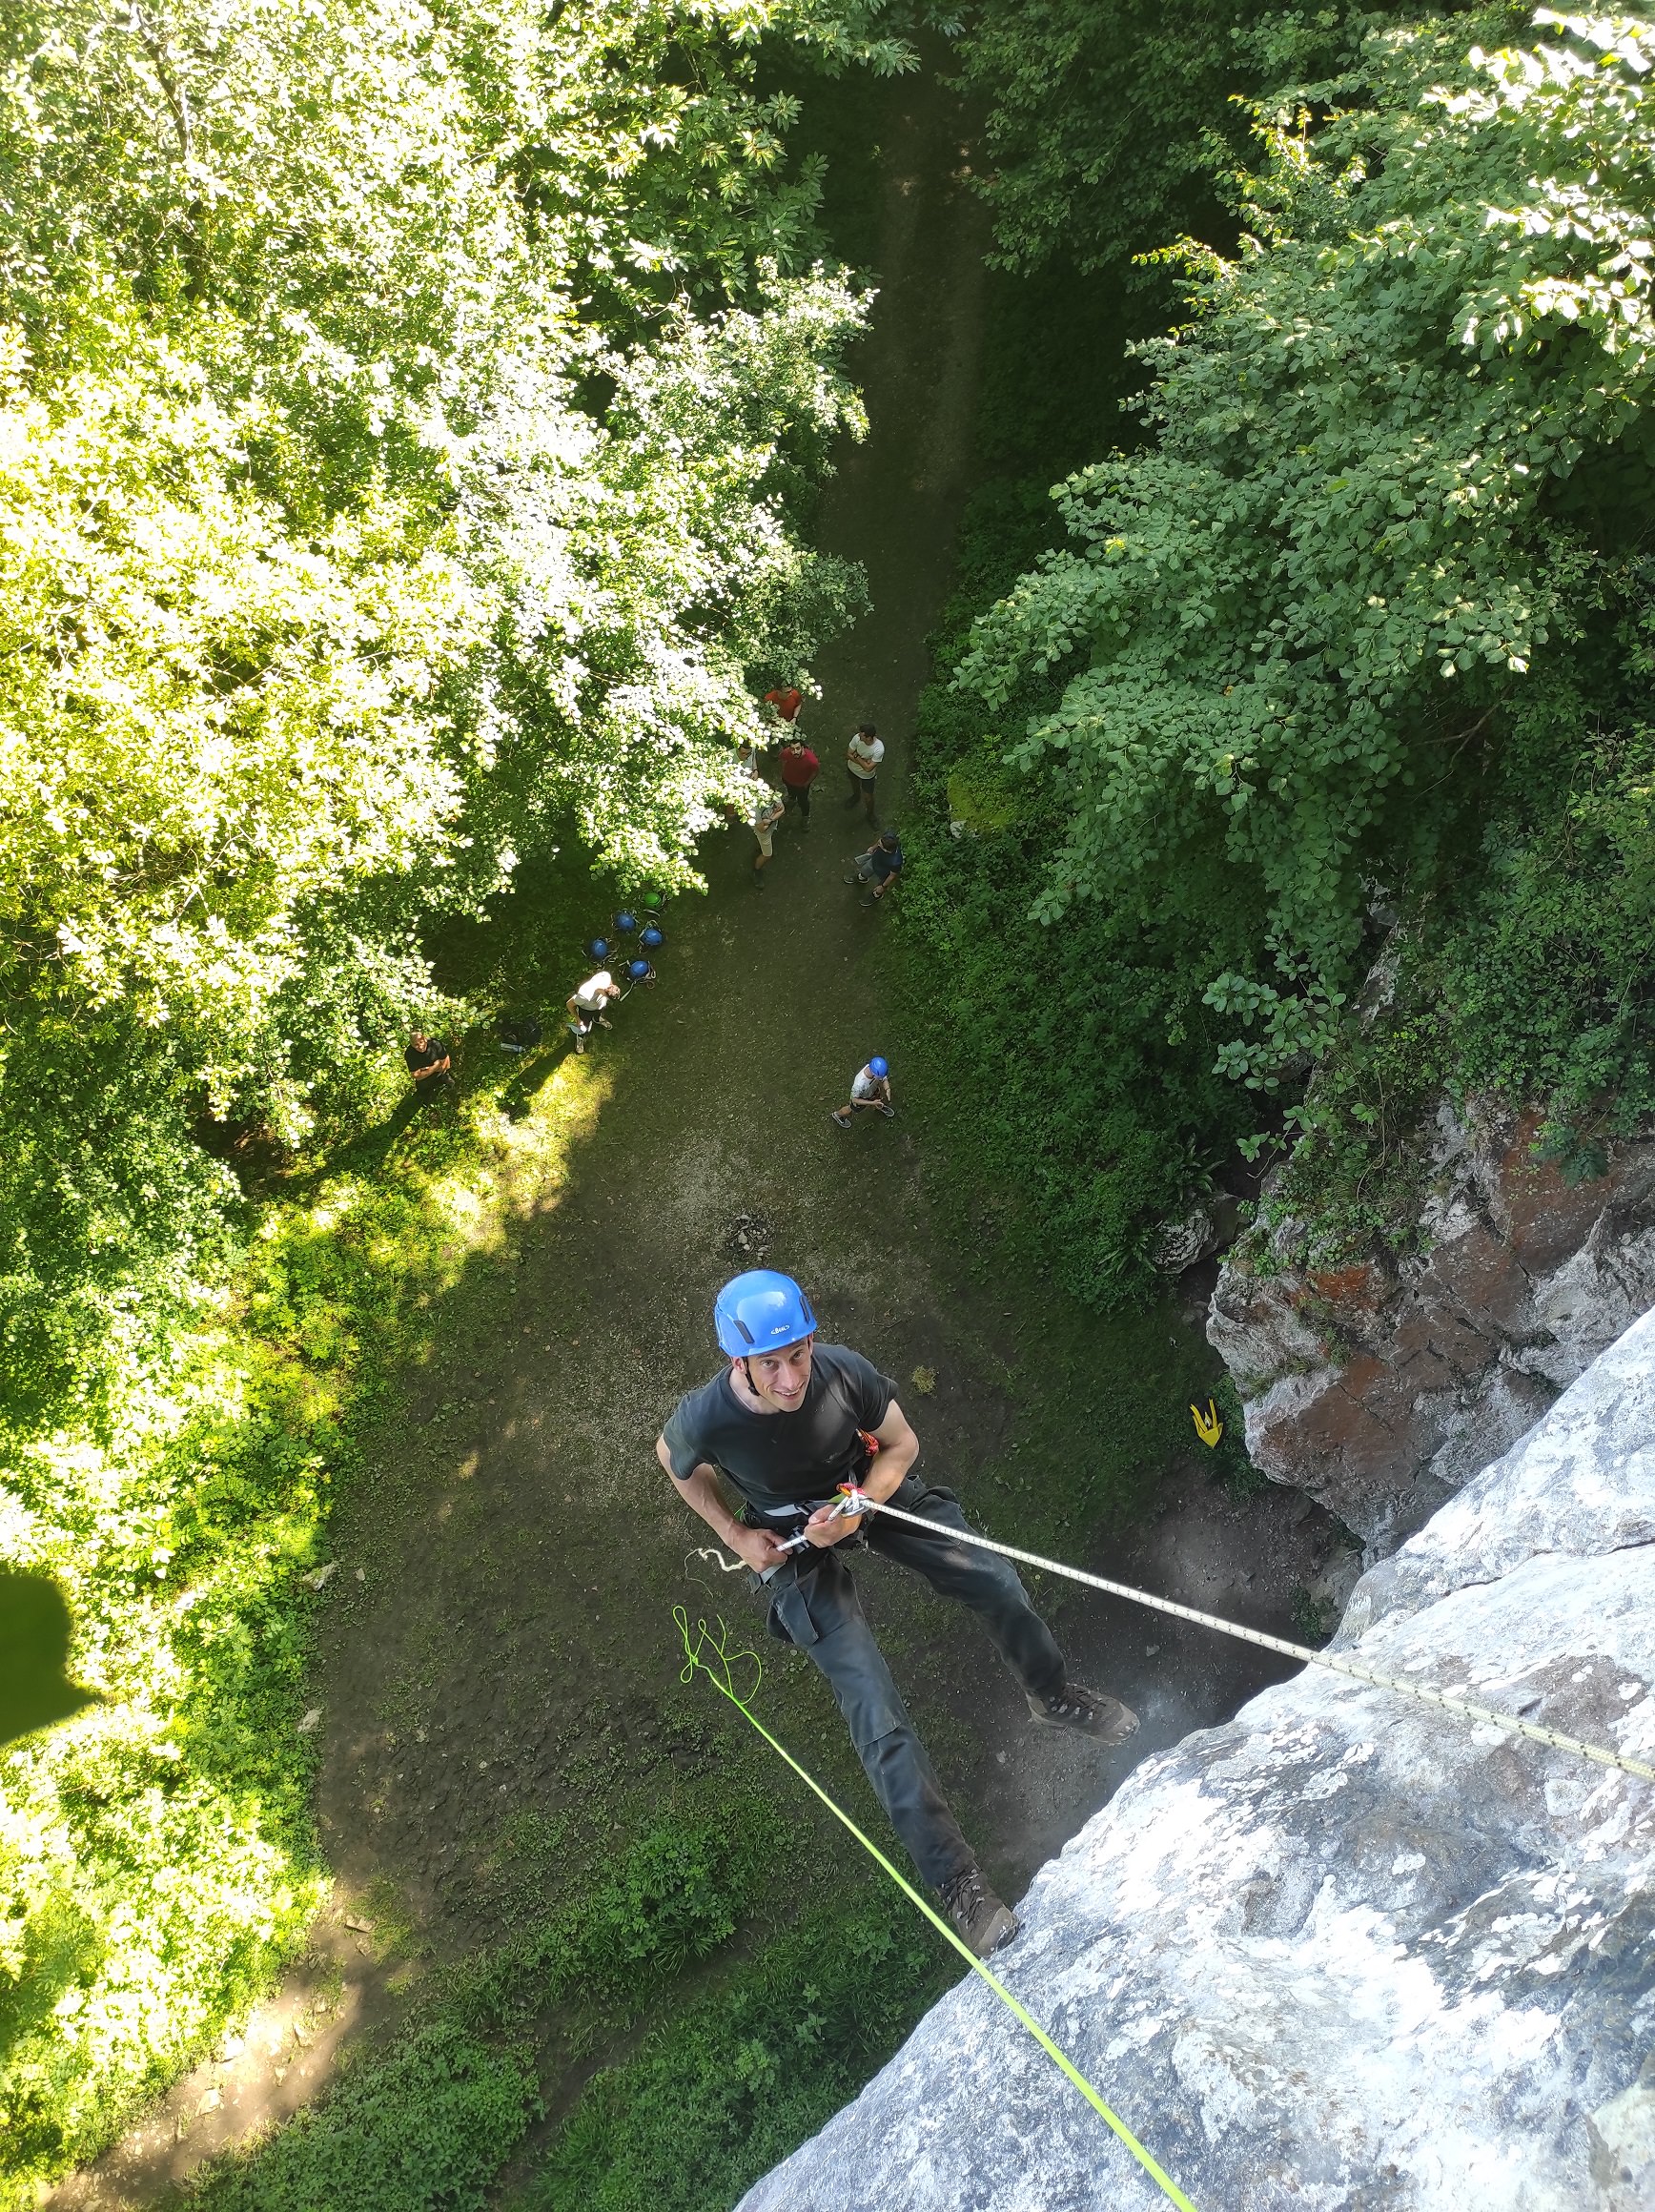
pixel 707 1654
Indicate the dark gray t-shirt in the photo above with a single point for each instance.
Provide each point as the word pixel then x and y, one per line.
pixel 776 1460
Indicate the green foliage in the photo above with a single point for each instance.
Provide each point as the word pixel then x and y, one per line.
pixel 403 426
pixel 1343 550
pixel 157 1858
pixel 1357 1170
pixel 406 424
pixel 428 2121
pixel 741 2077
pixel 1548 967
pixel 1105 124
pixel 1346 618
pixel 1072 1065
pixel 421 2130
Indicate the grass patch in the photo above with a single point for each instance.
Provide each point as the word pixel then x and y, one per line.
pixel 158 1859
pixel 748 2071
pixel 425 2121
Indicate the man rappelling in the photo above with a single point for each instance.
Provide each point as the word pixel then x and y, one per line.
pixel 784 1424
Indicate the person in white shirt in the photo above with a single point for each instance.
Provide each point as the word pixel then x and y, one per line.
pixel 586 1003
pixel 767 812
pixel 862 758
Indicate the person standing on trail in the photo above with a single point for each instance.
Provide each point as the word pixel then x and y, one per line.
pixel 784 1424
pixel 586 1003
pixel 799 768
pixel 784 704
pixel 767 812
pixel 862 758
pixel 870 1086
pixel 426 1060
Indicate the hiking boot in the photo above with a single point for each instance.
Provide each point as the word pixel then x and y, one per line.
pixel 889 1112
pixel 983 1921
pixel 840 1120
pixel 1091 1712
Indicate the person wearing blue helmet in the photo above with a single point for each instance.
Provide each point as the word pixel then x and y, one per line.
pixel 870 1086
pixel 783 1425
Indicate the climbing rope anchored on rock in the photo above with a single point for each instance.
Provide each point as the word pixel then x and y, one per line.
pixel 707 1653
pixel 1485 1716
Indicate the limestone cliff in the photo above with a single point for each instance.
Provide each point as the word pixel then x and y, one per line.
pixel 1380 1387
pixel 1346 1952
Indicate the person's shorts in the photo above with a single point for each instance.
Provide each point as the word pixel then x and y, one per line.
pixel 864 784
pixel 766 838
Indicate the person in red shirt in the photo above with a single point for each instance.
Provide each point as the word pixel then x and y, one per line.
pixel 799 767
pixel 784 704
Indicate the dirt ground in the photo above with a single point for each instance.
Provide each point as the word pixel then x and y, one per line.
pixel 501 1654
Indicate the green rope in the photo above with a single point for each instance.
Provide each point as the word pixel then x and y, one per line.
pixel 716 1667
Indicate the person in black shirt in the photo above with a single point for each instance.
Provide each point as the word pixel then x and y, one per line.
pixel 784 1424
pixel 878 867
pixel 427 1061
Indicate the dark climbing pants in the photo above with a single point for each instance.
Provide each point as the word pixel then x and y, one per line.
pixel 814 1606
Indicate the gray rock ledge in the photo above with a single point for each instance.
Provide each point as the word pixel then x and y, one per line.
pixel 1346 1953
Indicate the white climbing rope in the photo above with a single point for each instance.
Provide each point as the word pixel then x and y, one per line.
pixel 1484 1715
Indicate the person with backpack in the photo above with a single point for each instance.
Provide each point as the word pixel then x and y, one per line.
pixel 781 1427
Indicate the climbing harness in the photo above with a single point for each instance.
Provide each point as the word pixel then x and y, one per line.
pixel 707 1654
pixel 1484 1715
pixel 841 1510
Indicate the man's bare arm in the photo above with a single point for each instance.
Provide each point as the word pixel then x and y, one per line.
pixel 701 1494
pixel 899 1449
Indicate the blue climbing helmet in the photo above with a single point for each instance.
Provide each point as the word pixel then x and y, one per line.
pixel 637 969
pixel 652 938
pixel 761 1311
pixel 599 948
pixel 879 1066
pixel 625 922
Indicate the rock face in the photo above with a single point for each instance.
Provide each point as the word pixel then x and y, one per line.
pixel 1380 1388
pixel 1347 1952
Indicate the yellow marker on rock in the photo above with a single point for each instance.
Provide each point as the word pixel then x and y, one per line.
pixel 1208 1427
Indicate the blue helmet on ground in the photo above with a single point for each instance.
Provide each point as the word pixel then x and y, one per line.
pixel 879 1066
pixel 652 937
pixel 599 948
pixel 625 922
pixel 761 1311
pixel 637 969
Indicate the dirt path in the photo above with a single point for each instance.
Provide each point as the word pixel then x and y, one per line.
pixel 502 1652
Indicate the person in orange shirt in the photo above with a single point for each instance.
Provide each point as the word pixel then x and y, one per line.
pixel 784 704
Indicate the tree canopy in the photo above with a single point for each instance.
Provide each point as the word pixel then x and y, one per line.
pixel 1397 459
